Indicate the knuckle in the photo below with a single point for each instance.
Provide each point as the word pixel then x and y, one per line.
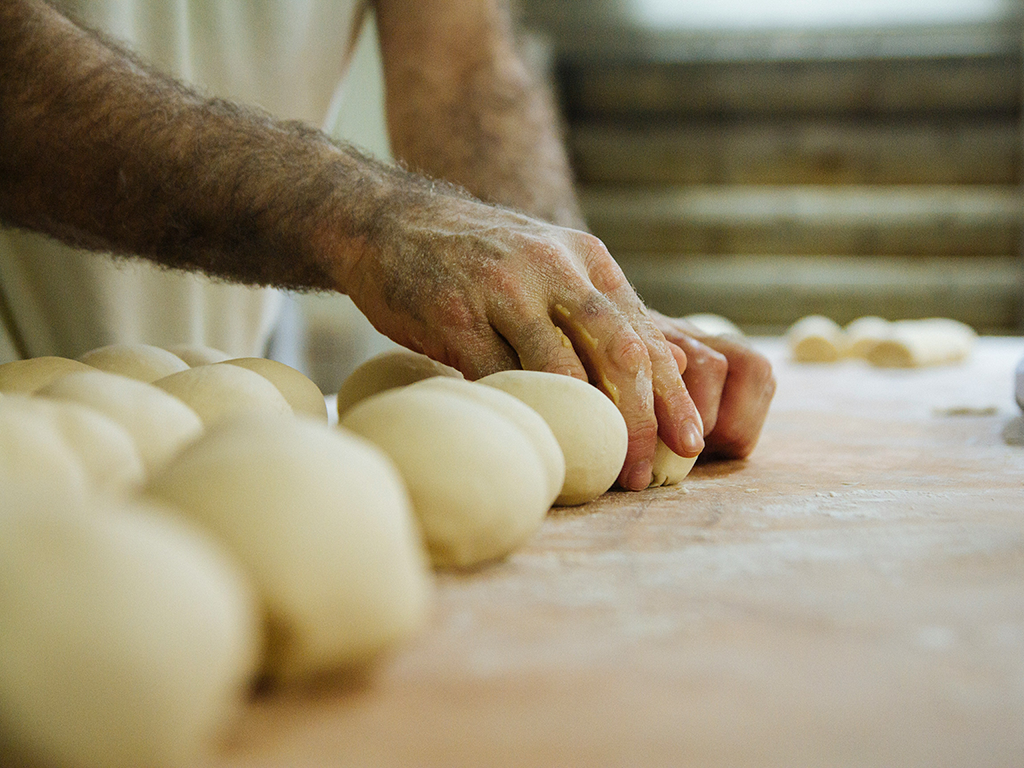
pixel 626 350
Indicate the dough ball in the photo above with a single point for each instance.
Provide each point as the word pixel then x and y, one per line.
pixel 815 339
pixel 587 425
pixel 106 449
pixel 136 361
pixel 396 368
pixel 321 521
pixel 863 333
pixel 478 485
pixel 34 453
pixel 669 467
pixel 915 343
pixel 218 392
pixel 714 325
pixel 128 638
pixel 299 390
pixel 27 376
pixel 197 354
pixel 520 414
pixel 160 423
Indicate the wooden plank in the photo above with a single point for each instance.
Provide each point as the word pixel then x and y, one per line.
pixel 940 151
pixel 849 596
pixel 608 90
pixel 921 220
pixel 771 292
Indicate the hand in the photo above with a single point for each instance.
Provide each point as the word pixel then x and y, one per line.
pixel 485 289
pixel 731 384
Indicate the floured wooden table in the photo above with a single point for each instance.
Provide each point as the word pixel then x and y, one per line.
pixel 853 594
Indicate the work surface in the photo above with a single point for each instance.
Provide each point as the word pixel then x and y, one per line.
pixel 853 594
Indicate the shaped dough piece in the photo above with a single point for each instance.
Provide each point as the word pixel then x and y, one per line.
pixel 863 333
pixel 587 425
pixel 388 370
pixel 669 467
pixel 915 343
pixel 299 390
pixel 107 451
pixel 218 392
pixel 128 638
pixel 160 423
pixel 136 361
pixel 478 485
pixel 26 376
pixel 34 453
pixel 520 414
pixel 714 325
pixel 815 339
pixel 321 521
pixel 198 354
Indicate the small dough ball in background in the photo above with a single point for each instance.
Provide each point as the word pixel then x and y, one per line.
pixel 106 449
pixel 714 325
pixel 129 639
pixel 916 343
pixel 863 333
pixel 298 389
pixel 388 370
pixel 478 486
pixel 136 361
pixel 321 521
pixel 520 414
pixel 218 392
pixel 816 339
pixel 35 454
pixel 198 354
pixel 26 376
pixel 587 425
pixel 669 467
pixel 160 423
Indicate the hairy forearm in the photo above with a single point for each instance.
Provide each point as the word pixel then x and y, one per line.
pixel 463 106
pixel 99 151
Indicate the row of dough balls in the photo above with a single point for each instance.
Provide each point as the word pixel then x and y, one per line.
pixel 159 552
pixel 899 344
pixel 175 530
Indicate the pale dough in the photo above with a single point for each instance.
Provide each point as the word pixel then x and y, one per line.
pixel 388 370
pixel 106 449
pixel 198 354
pixel 863 333
pixel 34 453
pixel 589 428
pixel 160 423
pixel 477 483
pixel 321 521
pixel 218 392
pixel 128 638
pixel 816 339
pixel 27 376
pixel 714 325
pixel 669 467
pixel 520 414
pixel 299 390
pixel 137 361
pixel 916 343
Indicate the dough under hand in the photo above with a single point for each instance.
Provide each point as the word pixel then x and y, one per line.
pixel 669 468
pixel 299 390
pixel 26 376
pixel 321 521
pixel 136 361
pixel 714 325
pixel 160 423
pixel 587 425
pixel 388 370
pixel 477 483
pixel 816 339
pixel 128 638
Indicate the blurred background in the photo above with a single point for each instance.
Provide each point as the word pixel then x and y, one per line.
pixel 765 161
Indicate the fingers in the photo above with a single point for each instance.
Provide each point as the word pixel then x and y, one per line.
pixel 704 373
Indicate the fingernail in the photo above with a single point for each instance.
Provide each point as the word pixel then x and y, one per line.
pixel 640 476
pixel 693 440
